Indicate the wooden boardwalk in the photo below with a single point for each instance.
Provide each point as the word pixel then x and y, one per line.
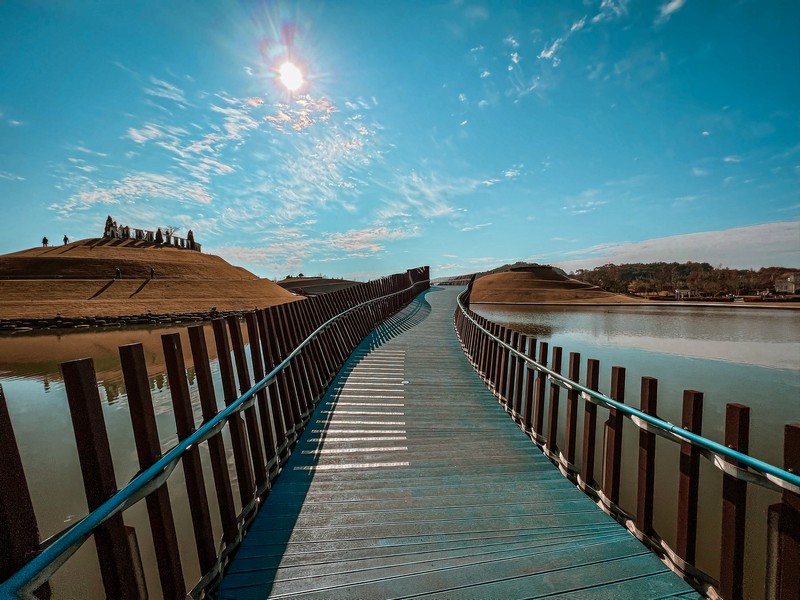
pixel 411 481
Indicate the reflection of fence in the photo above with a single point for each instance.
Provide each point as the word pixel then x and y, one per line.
pixel 300 346
pixel 519 377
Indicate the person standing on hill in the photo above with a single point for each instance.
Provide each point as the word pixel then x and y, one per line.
pixel 44 242
pixel 66 239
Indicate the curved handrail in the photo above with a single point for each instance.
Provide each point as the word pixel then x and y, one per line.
pixel 785 479
pixel 40 568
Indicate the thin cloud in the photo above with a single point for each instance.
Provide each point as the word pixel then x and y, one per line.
pixel 474 227
pixel 586 202
pixel 668 9
pixel 137 187
pixel 743 247
pixel 163 89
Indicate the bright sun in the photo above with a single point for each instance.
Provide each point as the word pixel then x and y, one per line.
pixel 291 76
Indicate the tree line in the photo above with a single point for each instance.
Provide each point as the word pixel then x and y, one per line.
pixel 701 279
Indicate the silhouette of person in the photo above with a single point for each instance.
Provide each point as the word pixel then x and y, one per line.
pixel 118 274
pixel 66 239
pixel 152 273
pixel 44 242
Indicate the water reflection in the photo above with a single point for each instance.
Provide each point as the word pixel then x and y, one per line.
pixel 37 355
pixel 763 337
pixel 750 356
pixel 37 403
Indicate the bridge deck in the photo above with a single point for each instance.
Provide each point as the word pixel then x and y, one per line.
pixel 412 481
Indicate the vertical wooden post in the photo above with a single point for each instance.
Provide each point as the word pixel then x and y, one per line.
pixel 241 459
pixel 647 460
pixel 192 467
pixel 99 482
pixel 148 449
pixel 590 423
pixel 555 391
pixel 516 407
pixel 262 400
pixel 251 420
pixel 541 387
pixel 216 445
pixel 511 371
pixel 689 481
pixel 530 379
pixel 784 520
pixel 276 405
pixel 572 408
pixel 613 450
pixel 734 506
pixel 498 360
pixel 19 532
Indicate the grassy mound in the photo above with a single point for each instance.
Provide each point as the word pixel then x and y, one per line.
pixel 78 279
pixel 540 285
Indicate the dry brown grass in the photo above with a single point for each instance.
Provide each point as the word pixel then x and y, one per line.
pixel 78 280
pixel 541 285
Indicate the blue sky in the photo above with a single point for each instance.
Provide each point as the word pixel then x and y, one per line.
pixel 458 134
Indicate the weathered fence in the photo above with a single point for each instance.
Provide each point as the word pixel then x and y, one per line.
pixel 296 350
pixel 530 392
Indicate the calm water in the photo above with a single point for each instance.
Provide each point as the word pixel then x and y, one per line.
pixel 34 390
pixel 750 356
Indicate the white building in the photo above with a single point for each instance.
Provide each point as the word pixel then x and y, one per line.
pixel 787 285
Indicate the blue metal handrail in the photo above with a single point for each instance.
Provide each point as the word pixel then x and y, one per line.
pixel 36 572
pixel 785 479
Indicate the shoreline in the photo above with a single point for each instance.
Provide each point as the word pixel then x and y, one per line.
pixel 737 305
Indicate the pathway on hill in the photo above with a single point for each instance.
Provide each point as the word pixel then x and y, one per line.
pixel 410 480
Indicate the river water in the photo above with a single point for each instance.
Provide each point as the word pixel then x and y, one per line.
pixel 731 354
pixel 750 356
pixel 37 402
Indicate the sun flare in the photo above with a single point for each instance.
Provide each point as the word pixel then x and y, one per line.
pixel 291 77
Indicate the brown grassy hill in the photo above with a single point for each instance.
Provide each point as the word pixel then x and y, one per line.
pixel 540 285
pixel 78 280
pixel 314 286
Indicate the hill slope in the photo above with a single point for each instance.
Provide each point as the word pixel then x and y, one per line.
pixel 540 285
pixel 78 279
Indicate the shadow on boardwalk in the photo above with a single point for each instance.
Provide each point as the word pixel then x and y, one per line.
pixel 285 502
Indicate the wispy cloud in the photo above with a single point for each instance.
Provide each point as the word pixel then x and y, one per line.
pixel 163 89
pixel 474 227
pixel 10 176
pixel 611 9
pixel 586 202
pixel 429 196
pixel 133 187
pixel 743 247
pixel 668 9
pixel 698 172
pixel 290 255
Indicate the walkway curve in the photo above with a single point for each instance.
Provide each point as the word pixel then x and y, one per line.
pixel 411 481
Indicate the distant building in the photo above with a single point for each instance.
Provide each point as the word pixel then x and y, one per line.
pixel 787 285
pixel 683 294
